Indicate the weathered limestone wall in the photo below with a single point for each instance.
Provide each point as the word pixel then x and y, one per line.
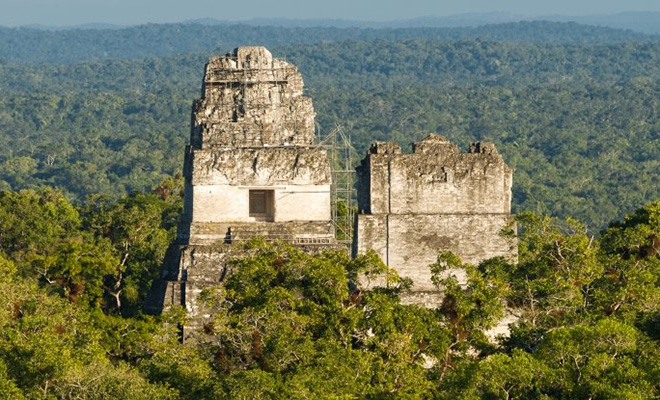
pixel 221 179
pixel 251 100
pixel 411 242
pixel 296 232
pixel 252 135
pixel 203 267
pixel 225 203
pixel 251 170
pixel 253 129
pixel 259 166
pixel 435 178
pixel 411 206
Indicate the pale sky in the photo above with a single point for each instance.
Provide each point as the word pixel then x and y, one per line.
pixel 131 12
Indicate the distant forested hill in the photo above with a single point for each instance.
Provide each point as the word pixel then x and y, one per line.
pixel 378 64
pixel 579 122
pixel 28 45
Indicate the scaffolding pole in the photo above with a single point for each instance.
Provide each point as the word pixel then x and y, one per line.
pixel 342 191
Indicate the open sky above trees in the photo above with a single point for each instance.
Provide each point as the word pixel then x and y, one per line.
pixel 127 12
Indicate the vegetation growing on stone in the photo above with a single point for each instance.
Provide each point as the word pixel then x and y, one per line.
pixel 292 325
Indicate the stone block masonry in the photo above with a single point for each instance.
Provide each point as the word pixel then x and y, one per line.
pixel 252 100
pixel 411 206
pixel 252 170
pixel 251 156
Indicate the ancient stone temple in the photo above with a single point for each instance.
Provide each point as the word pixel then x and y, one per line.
pixel 411 206
pixel 251 169
pixel 251 166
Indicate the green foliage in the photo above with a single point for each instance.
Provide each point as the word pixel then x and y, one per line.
pixel 140 228
pixel 287 324
pixel 631 281
pixel 8 389
pixel 285 318
pixel 32 223
pixel 37 46
pixel 7 269
pixel 473 305
pixel 578 123
pixel 595 361
pixel 103 253
pixel 515 376
pixel 557 272
pixel 49 348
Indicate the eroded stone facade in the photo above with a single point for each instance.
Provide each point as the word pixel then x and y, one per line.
pixel 437 198
pixel 253 130
pixel 251 169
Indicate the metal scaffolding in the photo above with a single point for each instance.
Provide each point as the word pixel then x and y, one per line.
pixel 342 191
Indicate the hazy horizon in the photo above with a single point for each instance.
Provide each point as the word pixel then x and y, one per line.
pixel 57 13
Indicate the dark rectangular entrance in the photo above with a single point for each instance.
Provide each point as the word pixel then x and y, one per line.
pixel 262 205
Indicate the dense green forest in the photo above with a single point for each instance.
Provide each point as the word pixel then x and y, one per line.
pixel 93 126
pixel 579 123
pixel 27 45
pixel 289 325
